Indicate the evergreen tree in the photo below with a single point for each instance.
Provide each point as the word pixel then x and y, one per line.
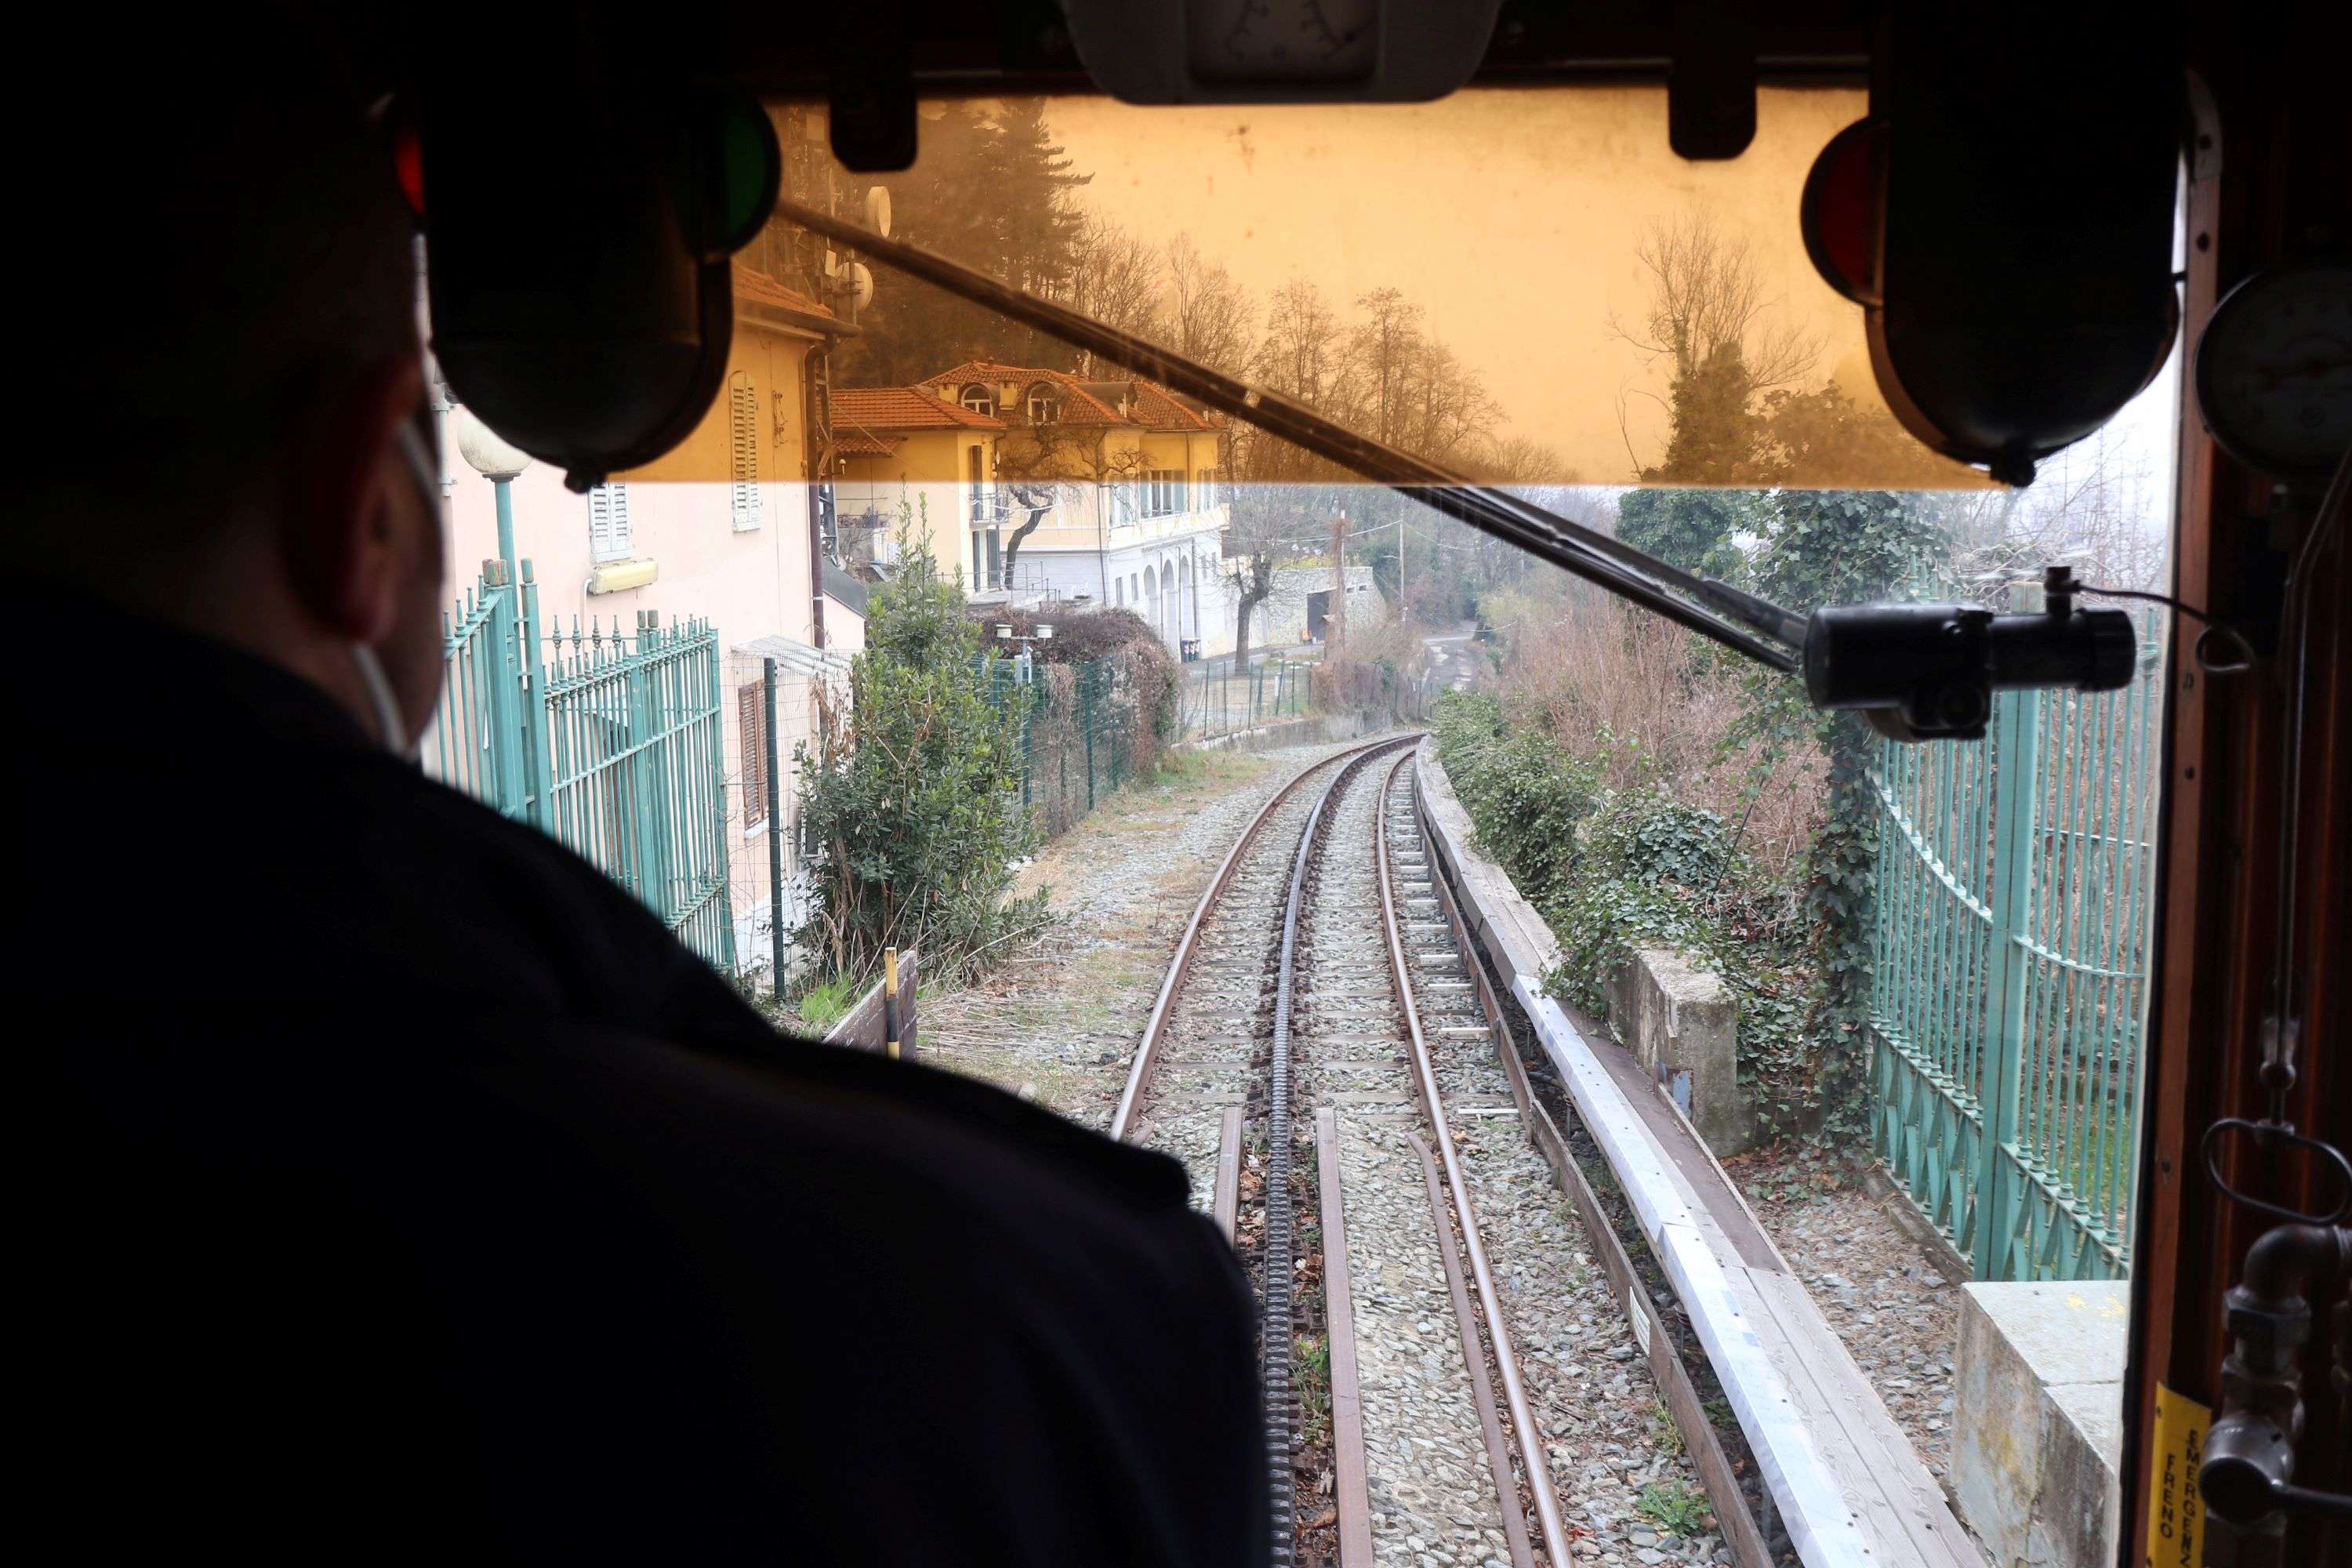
pixel 991 189
pixel 1692 529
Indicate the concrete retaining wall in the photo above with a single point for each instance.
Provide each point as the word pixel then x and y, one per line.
pixel 1308 730
pixel 2038 1413
pixel 1680 1021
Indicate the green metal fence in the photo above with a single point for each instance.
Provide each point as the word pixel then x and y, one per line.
pixel 609 740
pixel 2009 976
pixel 1084 733
pixel 1217 699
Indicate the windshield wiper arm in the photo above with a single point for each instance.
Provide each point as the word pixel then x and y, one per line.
pixel 1758 628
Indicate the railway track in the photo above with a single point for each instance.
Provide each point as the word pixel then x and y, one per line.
pixel 1316 986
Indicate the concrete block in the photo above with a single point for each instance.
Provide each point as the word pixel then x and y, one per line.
pixel 2038 1419
pixel 1677 1018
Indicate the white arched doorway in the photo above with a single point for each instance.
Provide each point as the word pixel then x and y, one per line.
pixel 1151 599
pixel 1188 602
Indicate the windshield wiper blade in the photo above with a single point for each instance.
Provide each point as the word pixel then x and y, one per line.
pixel 1756 628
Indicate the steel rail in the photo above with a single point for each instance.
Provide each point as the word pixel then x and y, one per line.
pixel 1699 1437
pixel 1155 1027
pixel 1548 1522
pixel 1761 630
pixel 1278 1254
pixel 1278 1311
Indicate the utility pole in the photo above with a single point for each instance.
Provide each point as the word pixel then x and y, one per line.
pixel 1339 584
pixel 1402 612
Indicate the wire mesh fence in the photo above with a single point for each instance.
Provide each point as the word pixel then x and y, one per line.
pixel 1215 699
pixel 1088 728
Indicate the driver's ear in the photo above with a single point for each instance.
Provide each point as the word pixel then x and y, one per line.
pixel 346 532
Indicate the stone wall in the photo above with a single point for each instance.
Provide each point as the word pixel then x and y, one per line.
pixel 1680 1021
pixel 1281 621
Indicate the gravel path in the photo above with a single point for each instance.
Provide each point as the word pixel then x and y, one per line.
pixel 1059 1020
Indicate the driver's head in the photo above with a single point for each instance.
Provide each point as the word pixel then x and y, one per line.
pixel 225 349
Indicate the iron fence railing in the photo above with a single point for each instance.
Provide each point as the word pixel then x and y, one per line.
pixel 2008 979
pixel 611 741
pixel 1215 699
pixel 639 772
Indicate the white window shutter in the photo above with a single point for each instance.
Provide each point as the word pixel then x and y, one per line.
pixel 609 538
pixel 743 451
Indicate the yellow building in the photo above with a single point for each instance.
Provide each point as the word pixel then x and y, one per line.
pixel 1036 484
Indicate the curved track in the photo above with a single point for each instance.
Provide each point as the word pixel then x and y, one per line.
pixel 1322 964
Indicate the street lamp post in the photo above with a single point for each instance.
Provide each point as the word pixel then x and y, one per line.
pixel 1044 633
pixel 488 454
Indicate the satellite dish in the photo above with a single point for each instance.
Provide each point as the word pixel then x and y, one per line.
pixel 878 210
pixel 858 284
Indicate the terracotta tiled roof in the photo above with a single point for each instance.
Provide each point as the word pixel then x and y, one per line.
pixel 758 287
pixel 857 408
pixel 1087 402
pixel 859 444
pixel 1158 408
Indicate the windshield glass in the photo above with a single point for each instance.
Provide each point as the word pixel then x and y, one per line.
pixel 938 637
pixel 1526 284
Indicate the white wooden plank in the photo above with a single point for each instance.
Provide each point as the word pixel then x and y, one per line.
pixel 1901 1505
pixel 1804 1485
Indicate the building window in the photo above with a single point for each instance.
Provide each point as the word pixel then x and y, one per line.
pixel 1208 493
pixel 751 729
pixel 1122 501
pixel 972 474
pixel 743 451
pixel 979 399
pixel 1118 591
pixel 1164 492
pixel 1044 406
pixel 609 538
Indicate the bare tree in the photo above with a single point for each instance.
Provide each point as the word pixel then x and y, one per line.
pixel 1300 355
pixel 1044 462
pixel 2097 506
pixel 1113 276
pixel 1707 301
pixel 1707 319
pixel 1252 576
pixel 1382 349
pixel 1209 317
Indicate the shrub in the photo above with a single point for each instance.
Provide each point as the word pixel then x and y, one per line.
pixel 1613 870
pixel 1524 794
pixel 1375 669
pixel 910 800
pixel 1140 677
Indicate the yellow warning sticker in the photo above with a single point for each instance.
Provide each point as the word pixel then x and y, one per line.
pixel 2176 1514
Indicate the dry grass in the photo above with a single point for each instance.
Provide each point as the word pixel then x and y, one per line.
pixel 1609 681
pixel 1375 665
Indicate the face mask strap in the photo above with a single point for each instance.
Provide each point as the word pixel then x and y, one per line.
pixel 388 726
pixel 421 466
pixel 379 698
